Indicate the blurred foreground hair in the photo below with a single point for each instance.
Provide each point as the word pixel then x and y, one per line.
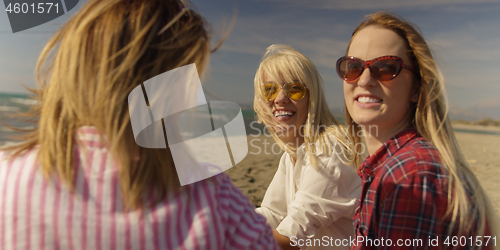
pixel 85 74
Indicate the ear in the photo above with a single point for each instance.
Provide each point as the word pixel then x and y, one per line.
pixel 414 95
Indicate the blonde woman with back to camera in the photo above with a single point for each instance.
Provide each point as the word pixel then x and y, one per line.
pixel 312 196
pixel 418 190
pixel 79 180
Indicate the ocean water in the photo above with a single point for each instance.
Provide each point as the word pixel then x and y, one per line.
pixel 12 104
pixel 477 131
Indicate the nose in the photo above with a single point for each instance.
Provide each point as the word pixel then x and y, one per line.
pixel 366 79
pixel 281 97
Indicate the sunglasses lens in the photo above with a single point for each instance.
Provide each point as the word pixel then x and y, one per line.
pixel 385 70
pixel 349 69
pixel 382 68
pixel 295 90
pixel 269 90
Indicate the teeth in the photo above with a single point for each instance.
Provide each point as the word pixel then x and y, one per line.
pixel 366 99
pixel 283 113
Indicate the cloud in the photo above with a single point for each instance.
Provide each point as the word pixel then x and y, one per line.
pixel 460 34
pixel 11 83
pixel 489 106
pixel 468 44
pixel 488 103
pixel 323 51
pixel 376 5
pixel 469 55
pixel 320 39
pixel 313 37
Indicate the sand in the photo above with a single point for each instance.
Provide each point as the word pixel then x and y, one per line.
pixel 482 152
pixel 255 172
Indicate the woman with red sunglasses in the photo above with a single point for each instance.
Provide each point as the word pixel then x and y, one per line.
pixel 418 190
pixel 313 194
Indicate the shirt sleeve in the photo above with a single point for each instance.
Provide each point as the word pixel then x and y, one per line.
pixel 243 227
pixel 273 206
pixel 323 196
pixel 413 210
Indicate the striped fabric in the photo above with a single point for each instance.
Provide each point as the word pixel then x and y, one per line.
pixel 39 214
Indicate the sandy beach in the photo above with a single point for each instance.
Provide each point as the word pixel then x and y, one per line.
pixel 482 151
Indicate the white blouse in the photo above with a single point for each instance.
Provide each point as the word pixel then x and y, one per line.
pixel 304 203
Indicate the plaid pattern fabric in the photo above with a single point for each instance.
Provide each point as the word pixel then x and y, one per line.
pixel 404 197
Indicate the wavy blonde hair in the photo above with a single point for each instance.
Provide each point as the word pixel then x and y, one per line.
pixel 286 63
pixel 85 74
pixel 470 207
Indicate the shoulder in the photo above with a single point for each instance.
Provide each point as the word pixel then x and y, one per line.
pixel 3 156
pixel 214 186
pixel 417 154
pixel 235 215
pixel 285 163
pixel 25 158
pixel 329 154
pixel 416 162
pixel 220 196
pixel 224 195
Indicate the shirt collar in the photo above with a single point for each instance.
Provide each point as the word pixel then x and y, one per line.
pixel 89 136
pixel 373 163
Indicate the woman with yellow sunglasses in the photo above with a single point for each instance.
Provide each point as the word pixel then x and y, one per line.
pixel 313 194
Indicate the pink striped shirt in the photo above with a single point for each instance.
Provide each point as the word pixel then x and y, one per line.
pixel 40 214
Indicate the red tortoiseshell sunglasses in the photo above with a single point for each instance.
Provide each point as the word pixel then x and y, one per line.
pixel 382 68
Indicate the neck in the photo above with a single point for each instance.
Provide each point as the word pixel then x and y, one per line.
pixel 290 136
pixel 375 138
pixel 293 141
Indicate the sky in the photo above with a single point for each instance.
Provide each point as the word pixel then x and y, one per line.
pixel 463 34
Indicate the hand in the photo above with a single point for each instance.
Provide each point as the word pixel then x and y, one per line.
pixel 283 241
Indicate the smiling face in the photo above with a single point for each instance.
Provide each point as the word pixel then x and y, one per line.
pixel 290 114
pixel 385 104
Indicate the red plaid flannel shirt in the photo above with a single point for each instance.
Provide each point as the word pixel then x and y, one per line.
pixel 404 197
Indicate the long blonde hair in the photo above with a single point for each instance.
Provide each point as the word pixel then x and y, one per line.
pixel 85 74
pixel 470 207
pixel 285 63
